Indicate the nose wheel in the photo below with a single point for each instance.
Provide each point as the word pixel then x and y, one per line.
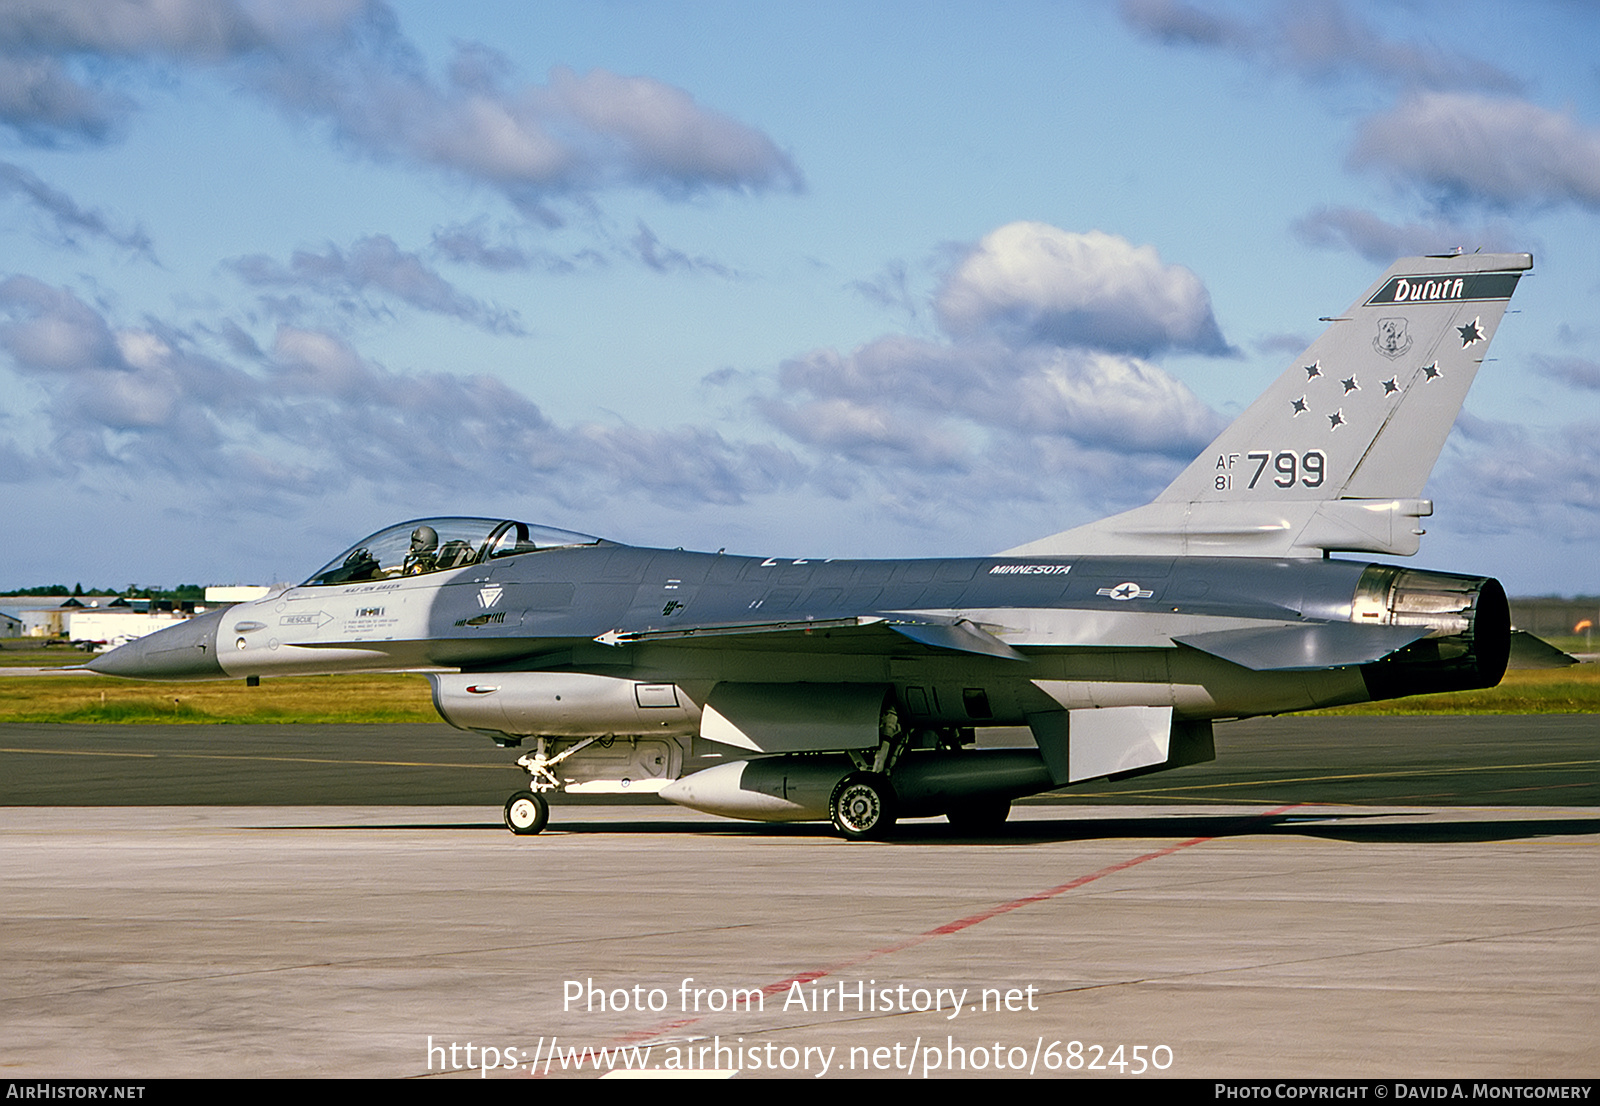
pixel 526 813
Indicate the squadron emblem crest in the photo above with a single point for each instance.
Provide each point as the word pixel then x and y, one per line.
pixel 1393 339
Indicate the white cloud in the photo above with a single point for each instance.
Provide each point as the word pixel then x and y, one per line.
pixel 662 134
pixel 1035 283
pixel 926 403
pixel 656 254
pixel 1109 401
pixel 469 244
pixel 1381 241
pixel 688 465
pixel 375 264
pixel 46 105
pixel 206 29
pixel 146 399
pixel 1575 372
pixel 68 218
pixel 53 52
pixel 870 434
pixel 55 331
pixel 1318 40
pixel 901 370
pixel 1033 389
pixel 535 143
pixel 345 62
pixel 1322 38
pixel 1180 24
pixel 1501 152
pixel 318 414
pixel 1507 480
pixel 911 425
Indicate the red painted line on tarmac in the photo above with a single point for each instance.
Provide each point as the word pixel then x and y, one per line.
pixel 960 924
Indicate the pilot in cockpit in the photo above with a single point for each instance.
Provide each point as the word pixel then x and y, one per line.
pixel 423 555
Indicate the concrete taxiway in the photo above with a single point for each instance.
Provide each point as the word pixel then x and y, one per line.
pixel 1238 926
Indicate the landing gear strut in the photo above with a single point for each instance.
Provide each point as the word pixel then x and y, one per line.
pixel 863 805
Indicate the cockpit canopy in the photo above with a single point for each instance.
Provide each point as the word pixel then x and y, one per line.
pixel 427 545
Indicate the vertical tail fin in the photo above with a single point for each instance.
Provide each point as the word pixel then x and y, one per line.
pixel 1334 454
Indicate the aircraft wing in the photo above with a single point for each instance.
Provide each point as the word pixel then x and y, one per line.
pixel 1304 645
pixel 956 634
pixel 1270 648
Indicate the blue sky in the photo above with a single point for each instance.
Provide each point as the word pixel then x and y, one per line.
pixel 277 273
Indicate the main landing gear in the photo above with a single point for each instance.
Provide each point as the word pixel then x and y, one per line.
pixel 863 806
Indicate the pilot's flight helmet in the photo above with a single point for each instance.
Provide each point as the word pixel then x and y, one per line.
pixel 424 539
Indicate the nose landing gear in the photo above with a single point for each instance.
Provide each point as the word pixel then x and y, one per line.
pixel 526 813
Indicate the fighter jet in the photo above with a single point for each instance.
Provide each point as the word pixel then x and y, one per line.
pixel 850 690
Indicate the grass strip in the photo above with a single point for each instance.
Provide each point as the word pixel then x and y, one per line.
pixel 292 699
pixel 1572 690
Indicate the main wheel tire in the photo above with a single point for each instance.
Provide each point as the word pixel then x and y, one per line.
pixel 526 813
pixel 980 815
pixel 863 806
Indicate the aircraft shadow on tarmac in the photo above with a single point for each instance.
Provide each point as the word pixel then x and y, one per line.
pixel 1438 829
pixel 1347 827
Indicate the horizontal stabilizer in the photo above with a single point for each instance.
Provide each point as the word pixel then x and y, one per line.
pixel 1528 651
pixel 1304 645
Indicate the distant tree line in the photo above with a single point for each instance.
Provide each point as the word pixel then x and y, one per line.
pixel 183 593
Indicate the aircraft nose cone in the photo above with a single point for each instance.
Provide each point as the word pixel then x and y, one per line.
pixel 187 651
